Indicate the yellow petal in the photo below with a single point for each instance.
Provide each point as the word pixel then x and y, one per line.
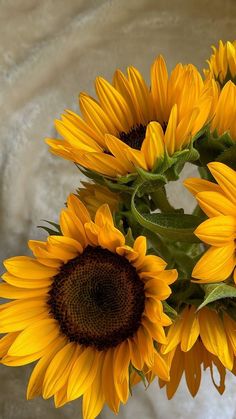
pixel 27 282
pixel 119 149
pixel 83 373
pixel 114 105
pixel 77 206
pixel 159 81
pixel 94 399
pixel 60 398
pixel 37 377
pixel 195 185
pixel 176 372
pixel 95 116
pixel 121 362
pixel 192 366
pixel 141 94
pixel 5 343
pixel 217 231
pixel 160 367
pixel 171 131
pixel 216 264
pixel 27 267
pixel 72 227
pixel 19 314
pixel 230 328
pixel 35 338
pixel 105 164
pixel 92 231
pixel 214 338
pixel 76 139
pixel 108 385
pixel 58 369
pixel 190 328
pixel 110 238
pixel 215 203
pixel 226 178
pixel 158 288
pixel 174 336
pixel 135 355
pixel 104 216
pixel 153 144
pixel 11 292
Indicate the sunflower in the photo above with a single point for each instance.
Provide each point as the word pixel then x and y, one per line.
pixel 218 201
pixel 88 308
pixel 224 119
pixel 222 63
pixel 132 126
pixel 199 340
pixel 94 195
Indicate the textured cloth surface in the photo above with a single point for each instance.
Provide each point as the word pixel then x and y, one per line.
pixel 49 51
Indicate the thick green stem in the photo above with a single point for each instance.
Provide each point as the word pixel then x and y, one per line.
pixel 161 202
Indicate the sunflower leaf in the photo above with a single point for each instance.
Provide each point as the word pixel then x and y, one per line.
pixel 170 226
pixel 214 292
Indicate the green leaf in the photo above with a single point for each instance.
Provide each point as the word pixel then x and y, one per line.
pixel 214 292
pixel 171 226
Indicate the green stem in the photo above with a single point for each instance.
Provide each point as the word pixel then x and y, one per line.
pixel 160 199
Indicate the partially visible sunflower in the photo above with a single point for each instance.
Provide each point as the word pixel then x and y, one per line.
pixel 218 201
pixel 222 63
pixel 88 307
pixel 94 195
pixel 131 125
pixel 224 119
pixel 199 340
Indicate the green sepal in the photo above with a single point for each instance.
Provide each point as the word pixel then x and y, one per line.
pixel 228 157
pixel 170 311
pixel 129 239
pixel 140 373
pixel 170 226
pixel 214 292
pixel 50 231
pixel 211 146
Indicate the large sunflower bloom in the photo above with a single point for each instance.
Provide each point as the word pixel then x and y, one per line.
pixel 131 125
pixel 222 63
pixel 196 341
pixel 88 307
pixel 218 201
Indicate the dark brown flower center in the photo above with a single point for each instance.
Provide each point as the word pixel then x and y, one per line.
pixel 97 298
pixel 134 138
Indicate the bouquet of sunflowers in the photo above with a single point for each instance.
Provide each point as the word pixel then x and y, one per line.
pixel 127 288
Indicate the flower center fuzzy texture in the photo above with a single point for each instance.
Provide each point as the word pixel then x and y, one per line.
pixel 134 138
pixel 97 298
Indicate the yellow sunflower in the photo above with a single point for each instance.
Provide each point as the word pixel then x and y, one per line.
pixel 131 125
pixel 88 307
pixel 224 119
pixel 218 201
pixel 94 195
pixel 196 341
pixel 222 63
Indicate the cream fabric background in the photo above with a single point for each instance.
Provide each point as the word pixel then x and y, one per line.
pixel 49 51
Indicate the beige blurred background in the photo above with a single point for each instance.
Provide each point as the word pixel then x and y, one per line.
pixel 49 51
